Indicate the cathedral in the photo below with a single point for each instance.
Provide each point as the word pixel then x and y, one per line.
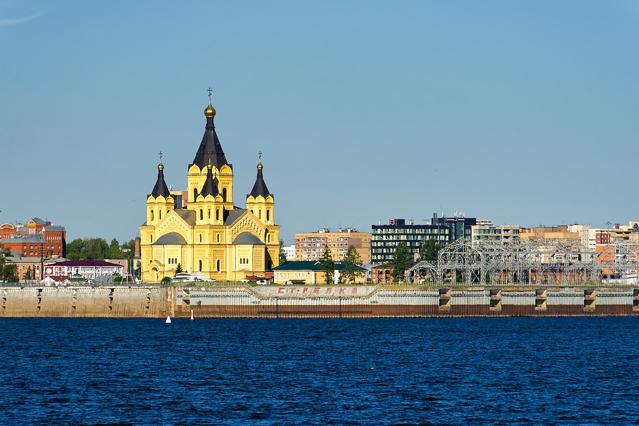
pixel 209 234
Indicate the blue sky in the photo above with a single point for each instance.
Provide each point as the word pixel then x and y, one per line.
pixel 521 112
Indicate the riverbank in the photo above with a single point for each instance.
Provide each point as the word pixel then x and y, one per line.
pixel 233 301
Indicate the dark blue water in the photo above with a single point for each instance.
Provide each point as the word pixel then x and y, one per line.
pixel 376 371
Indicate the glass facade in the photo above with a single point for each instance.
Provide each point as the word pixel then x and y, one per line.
pixel 385 238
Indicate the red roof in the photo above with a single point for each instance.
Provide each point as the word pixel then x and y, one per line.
pixel 85 263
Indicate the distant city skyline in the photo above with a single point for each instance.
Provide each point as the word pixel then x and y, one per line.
pixel 522 113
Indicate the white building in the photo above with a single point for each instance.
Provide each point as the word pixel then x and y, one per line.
pixel 500 234
pixel 289 252
pixel 88 269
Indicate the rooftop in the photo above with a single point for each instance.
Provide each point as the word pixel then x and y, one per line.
pixel 86 262
pixel 307 265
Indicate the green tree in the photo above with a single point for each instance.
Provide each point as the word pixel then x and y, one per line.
pixel 429 250
pixel 75 249
pixel 93 248
pixel 352 265
pixel 282 254
pixel 115 252
pixel 96 248
pixel 402 260
pixel 28 274
pixel 327 265
pixel 10 273
pixel 178 269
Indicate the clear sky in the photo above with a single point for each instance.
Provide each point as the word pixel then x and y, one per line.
pixel 521 112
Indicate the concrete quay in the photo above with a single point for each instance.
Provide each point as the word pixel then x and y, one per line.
pixel 236 301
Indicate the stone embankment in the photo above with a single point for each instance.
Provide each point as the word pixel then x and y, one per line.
pixel 227 301
pixel 117 302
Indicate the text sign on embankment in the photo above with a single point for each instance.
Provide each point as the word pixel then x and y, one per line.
pixel 314 291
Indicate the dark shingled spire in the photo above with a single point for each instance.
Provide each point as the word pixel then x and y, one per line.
pixel 210 150
pixel 260 186
pixel 210 184
pixel 160 187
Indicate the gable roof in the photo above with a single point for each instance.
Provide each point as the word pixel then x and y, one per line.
pixel 233 215
pixel 187 215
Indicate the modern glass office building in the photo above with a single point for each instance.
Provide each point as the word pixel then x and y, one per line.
pixel 444 230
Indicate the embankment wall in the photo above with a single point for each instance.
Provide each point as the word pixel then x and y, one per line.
pixel 313 301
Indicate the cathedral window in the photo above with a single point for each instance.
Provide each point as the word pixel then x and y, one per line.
pixel 268 215
pixel 199 263
pixel 224 194
pixel 217 214
pixel 217 265
pixel 152 215
pixel 259 214
pixel 160 214
pixel 200 237
pixel 201 214
pixel 209 212
pixel 194 194
pixel 217 238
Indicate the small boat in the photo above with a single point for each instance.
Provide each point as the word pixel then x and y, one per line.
pixel 168 320
pixel 191 314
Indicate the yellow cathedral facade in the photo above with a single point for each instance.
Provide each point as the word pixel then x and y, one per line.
pixel 210 235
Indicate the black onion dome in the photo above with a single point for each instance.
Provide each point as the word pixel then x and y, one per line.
pixel 210 150
pixel 210 184
pixel 160 187
pixel 260 188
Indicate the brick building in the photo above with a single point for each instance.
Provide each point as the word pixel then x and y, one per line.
pixel 37 238
pixel 311 245
pixel 381 274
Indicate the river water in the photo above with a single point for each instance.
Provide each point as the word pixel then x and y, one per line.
pixel 320 371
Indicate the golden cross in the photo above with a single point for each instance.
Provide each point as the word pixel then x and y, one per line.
pixel 210 94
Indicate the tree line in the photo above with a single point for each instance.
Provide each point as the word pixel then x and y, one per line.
pixel 403 258
pixel 351 266
pixel 8 272
pixel 98 249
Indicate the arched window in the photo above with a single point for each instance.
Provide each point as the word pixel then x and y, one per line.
pixel 259 214
pixel 199 262
pixel 217 265
pixel 160 213
pixel 194 194
pixel 152 215
pixel 200 237
pixel 201 214
pixel 209 212
pixel 268 238
pixel 224 194
pixel 217 214
pixel 268 214
pixel 217 238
